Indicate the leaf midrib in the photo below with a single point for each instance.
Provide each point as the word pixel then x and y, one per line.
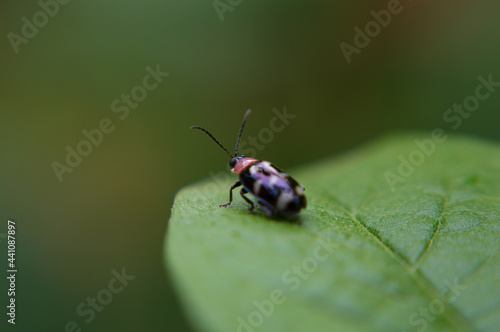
pixel 423 283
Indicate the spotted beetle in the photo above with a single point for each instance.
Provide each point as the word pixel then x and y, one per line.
pixel 276 191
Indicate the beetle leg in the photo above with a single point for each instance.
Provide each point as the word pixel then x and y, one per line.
pixel 243 191
pixel 237 184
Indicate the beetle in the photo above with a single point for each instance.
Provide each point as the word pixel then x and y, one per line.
pixel 276 191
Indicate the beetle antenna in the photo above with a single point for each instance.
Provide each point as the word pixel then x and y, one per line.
pixel 215 140
pixel 241 131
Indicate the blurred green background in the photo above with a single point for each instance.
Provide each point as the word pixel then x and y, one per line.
pixel 112 211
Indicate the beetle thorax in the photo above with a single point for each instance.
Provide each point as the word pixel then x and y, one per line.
pixel 242 164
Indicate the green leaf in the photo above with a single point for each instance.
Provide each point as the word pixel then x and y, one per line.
pixel 421 255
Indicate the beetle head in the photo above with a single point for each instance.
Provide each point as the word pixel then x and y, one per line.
pixel 234 161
